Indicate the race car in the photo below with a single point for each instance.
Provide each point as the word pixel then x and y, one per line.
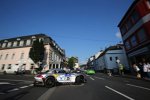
pixel 54 76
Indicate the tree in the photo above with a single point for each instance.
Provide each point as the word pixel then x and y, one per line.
pixel 37 52
pixel 71 62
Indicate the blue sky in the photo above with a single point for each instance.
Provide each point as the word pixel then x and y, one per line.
pixel 81 27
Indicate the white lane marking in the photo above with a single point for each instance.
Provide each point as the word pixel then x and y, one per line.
pixel 119 93
pixel 24 87
pixel 4 83
pixel 15 80
pixel 31 85
pixel 47 94
pixel 100 78
pixel 15 89
pixel 138 86
pixel 92 78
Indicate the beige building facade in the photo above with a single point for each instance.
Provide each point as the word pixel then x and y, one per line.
pixel 15 51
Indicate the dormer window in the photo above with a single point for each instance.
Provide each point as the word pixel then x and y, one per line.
pixel 15 44
pixel 18 39
pixel 28 42
pixel 21 43
pixel 33 37
pixel 9 44
pixel 3 45
pixel 5 40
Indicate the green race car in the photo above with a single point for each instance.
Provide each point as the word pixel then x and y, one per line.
pixel 90 71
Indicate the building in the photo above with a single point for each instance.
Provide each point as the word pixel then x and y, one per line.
pixel 111 57
pixel 15 51
pixel 108 59
pixel 135 31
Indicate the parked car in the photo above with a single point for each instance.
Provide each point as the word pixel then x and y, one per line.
pixel 90 71
pixel 52 77
pixel 14 69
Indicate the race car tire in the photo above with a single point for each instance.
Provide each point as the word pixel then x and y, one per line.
pixel 50 82
pixel 34 83
pixel 78 80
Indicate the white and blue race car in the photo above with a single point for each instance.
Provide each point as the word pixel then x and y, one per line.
pixel 54 76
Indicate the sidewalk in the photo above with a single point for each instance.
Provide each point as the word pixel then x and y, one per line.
pixel 132 77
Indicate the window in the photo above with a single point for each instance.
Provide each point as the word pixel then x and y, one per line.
pixel 22 56
pixel 3 67
pixel 123 30
pixel 133 41
pixel 15 44
pixel 129 24
pixel 28 42
pixel 1 57
pixel 127 45
pixel 13 55
pixel 135 16
pixel 9 66
pixel 3 45
pixel 9 44
pixel 6 57
pixel 21 43
pixel 110 58
pixel 142 35
pixel 116 58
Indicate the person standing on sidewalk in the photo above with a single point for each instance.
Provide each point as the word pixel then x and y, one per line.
pixel 145 69
pixel 121 69
pixel 140 65
pixel 148 70
pixel 137 69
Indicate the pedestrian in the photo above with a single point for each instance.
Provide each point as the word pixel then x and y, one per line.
pixel 121 69
pixel 140 65
pixel 145 69
pixel 137 70
pixel 148 70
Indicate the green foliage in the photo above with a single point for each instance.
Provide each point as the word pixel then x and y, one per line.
pixel 37 51
pixel 71 62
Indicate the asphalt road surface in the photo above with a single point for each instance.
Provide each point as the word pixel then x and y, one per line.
pixel 98 87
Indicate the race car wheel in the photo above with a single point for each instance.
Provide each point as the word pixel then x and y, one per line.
pixel 50 82
pixel 78 80
pixel 34 83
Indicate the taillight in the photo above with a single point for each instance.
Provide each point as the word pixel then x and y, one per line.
pixel 40 76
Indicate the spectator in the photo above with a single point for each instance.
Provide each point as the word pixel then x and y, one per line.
pixel 121 69
pixel 137 70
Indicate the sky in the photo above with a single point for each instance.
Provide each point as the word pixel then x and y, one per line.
pixel 81 27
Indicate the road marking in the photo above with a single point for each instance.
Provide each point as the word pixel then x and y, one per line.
pixel 31 85
pixel 47 94
pixel 24 87
pixel 4 83
pixel 15 89
pixel 92 78
pixel 100 78
pixel 119 93
pixel 15 80
pixel 138 86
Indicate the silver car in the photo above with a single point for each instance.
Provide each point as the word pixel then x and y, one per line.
pixel 54 76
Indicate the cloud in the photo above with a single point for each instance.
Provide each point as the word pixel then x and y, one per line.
pixel 118 35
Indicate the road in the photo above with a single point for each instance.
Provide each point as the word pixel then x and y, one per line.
pixel 98 87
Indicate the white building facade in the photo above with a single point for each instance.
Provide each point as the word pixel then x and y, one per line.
pixel 15 51
pixel 112 57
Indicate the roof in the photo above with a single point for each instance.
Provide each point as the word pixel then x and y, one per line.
pixel 116 47
pixel 128 11
pixel 24 37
